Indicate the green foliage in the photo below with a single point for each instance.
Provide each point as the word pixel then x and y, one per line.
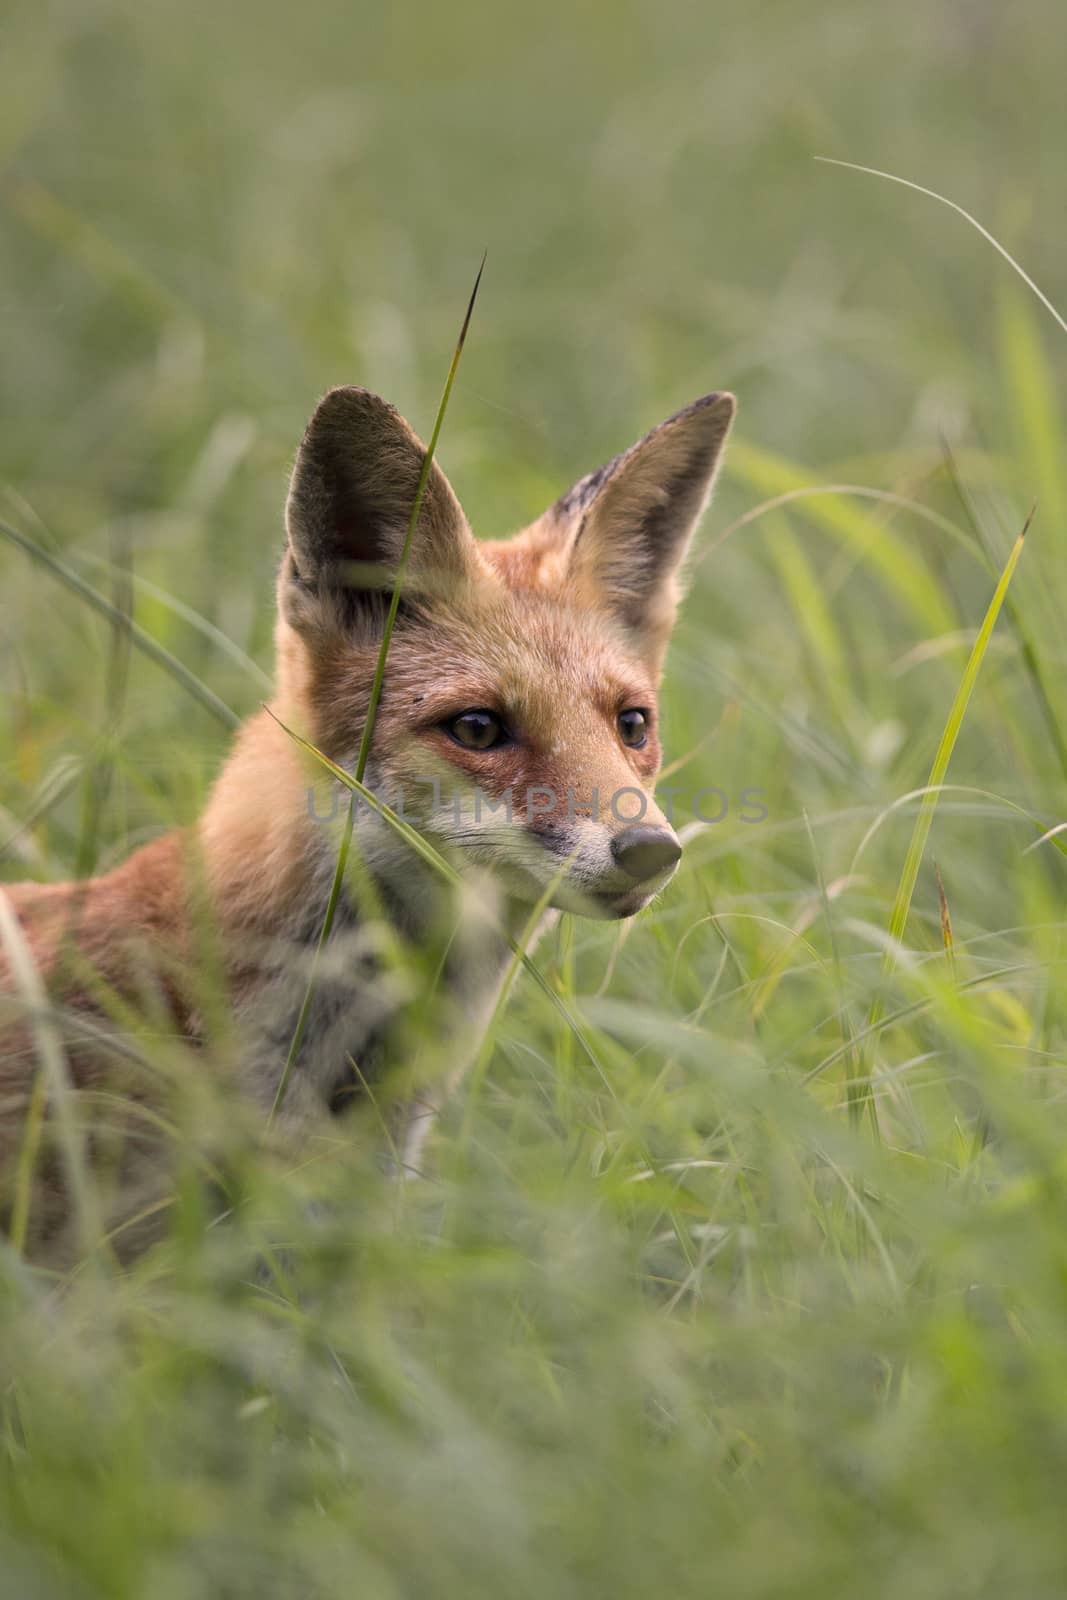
pixel 664 1317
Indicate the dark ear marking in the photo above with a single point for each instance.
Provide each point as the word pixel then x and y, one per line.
pixel 580 495
pixel 629 524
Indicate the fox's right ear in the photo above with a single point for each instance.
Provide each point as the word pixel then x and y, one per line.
pixel 350 502
pixel 627 526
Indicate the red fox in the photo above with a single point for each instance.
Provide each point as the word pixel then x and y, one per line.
pixel 517 727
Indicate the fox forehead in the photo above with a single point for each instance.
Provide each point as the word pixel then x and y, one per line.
pixel 548 669
pixel 521 653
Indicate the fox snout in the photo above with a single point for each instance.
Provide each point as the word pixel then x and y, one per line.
pixel 645 851
pixel 601 873
pixel 639 861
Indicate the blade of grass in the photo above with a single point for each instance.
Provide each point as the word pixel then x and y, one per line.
pixel 425 850
pixel 943 756
pixel 1050 835
pixel 59 1087
pixel 71 231
pixel 901 569
pixel 405 554
pixel 848 491
pixel 891 177
pixel 372 708
pixel 1031 660
pixel 855 1101
pixel 519 956
pixel 430 1105
pixel 928 805
pixel 101 769
pixel 1034 404
pixel 144 641
pixel 905 1013
pixel 946 923
pixel 27 1162
pixel 814 615
pixel 50 792
pixel 207 629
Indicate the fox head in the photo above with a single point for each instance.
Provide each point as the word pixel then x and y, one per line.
pixel 518 718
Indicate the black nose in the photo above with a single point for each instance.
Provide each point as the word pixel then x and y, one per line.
pixel 643 850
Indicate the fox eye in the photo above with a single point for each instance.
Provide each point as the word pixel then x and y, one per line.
pixel 477 730
pixel 633 727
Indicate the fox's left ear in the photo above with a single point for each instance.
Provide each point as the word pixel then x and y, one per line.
pixel 628 525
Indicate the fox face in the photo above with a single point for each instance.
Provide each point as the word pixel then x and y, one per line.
pixel 518 723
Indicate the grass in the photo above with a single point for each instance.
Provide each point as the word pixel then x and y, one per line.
pixel 665 1317
pixel 375 695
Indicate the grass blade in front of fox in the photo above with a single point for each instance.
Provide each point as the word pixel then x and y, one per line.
pixel 405 554
pixel 424 849
pixel 862 1085
pixel 519 957
pixel 372 707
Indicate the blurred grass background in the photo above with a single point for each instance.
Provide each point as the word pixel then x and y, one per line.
pixel 679 1324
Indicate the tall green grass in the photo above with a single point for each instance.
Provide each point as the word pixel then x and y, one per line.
pixel 663 1316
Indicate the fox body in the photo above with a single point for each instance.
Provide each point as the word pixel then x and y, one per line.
pixel 517 728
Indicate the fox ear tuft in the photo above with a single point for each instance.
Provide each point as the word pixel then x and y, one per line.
pixel 629 524
pixel 349 507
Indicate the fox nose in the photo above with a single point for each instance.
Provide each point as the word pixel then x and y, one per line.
pixel 643 850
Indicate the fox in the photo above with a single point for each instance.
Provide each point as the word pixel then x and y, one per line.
pixel 521 672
